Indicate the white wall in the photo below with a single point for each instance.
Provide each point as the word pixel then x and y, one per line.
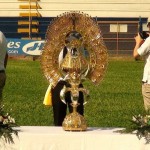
pixel 99 8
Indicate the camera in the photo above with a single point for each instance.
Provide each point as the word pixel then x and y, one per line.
pixel 144 34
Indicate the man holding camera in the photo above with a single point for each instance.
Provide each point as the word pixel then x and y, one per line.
pixel 142 48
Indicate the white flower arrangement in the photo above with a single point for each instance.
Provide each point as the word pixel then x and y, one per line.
pixel 6 126
pixel 140 126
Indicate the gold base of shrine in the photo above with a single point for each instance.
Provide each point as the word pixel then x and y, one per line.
pixel 74 122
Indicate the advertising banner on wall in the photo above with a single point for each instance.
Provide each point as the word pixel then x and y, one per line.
pixel 24 47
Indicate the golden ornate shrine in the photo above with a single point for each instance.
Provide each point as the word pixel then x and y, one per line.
pixel 86 58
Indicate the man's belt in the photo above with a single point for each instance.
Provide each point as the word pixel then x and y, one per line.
pixel 2 71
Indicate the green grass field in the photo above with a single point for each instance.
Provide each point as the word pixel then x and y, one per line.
pixel 111 104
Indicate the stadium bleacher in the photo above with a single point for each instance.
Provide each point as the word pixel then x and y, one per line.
pixel 9 26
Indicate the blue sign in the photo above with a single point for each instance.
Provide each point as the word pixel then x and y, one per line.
pixel 24 47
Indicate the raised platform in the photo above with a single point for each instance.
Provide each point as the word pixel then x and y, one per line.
pixel 55 138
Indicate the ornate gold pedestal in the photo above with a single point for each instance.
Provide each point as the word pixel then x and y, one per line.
pixel 74 121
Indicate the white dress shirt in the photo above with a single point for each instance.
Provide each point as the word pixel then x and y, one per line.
pixel 144 50
pixel 3 50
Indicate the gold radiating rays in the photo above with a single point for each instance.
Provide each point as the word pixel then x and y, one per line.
pixel 91 40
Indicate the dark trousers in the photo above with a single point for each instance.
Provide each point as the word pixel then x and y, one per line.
pixel 59 108
pixel 2 84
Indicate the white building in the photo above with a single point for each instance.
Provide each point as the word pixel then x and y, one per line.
pixel 99 8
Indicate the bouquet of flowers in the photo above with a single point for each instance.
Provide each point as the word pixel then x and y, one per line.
pixel 140 126
pixel 6 126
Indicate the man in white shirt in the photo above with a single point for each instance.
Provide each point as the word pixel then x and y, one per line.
pixel 142 48
pixel 3 63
